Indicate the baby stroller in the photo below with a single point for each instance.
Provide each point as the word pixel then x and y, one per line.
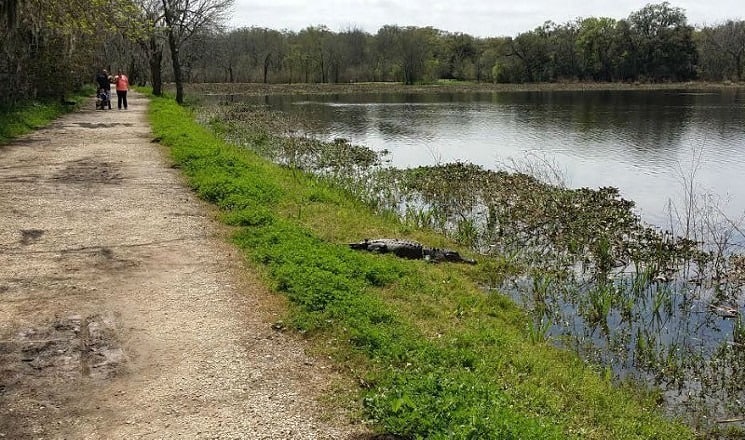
pixel 103 99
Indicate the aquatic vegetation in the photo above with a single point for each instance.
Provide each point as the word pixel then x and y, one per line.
pixel 650 305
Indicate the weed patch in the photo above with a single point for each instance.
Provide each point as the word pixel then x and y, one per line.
pixel 25 117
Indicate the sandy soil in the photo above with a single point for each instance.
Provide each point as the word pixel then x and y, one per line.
pixel 123 312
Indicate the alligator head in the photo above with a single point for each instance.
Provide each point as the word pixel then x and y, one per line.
pixel 438 255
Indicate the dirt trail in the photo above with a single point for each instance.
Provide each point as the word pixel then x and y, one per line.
pixel 123 312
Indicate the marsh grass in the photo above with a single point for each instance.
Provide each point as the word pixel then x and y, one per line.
pixel 438 357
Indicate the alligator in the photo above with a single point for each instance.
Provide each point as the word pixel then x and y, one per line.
pixel 410 249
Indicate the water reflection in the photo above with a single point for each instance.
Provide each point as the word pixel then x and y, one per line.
pixel 639 141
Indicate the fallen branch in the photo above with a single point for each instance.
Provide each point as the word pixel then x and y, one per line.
pixel 733 420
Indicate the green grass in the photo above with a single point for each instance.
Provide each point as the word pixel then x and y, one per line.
pixel 439 357
pixel 28 116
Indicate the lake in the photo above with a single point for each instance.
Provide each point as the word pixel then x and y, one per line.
pixel 642 142
pixel 659 321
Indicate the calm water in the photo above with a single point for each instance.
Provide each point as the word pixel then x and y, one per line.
pixel 641 142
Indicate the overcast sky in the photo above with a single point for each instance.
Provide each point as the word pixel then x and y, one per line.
pixel 480 18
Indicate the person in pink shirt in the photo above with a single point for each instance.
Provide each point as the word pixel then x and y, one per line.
pixel 122 87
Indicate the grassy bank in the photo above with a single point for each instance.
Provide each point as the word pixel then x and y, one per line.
pixel 28 116
pixel 436 356
pixel 257 89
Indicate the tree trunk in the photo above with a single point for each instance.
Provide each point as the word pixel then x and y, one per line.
pixel 156 59
pixel 173 45
pixel 134 74
pixel 177 75
pixel 323 69
pixel 267 62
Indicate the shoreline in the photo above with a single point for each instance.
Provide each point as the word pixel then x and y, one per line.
pixel 390 321
pixel 254 89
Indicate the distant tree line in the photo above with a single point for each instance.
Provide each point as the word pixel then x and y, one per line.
pixel 184 41
pixel 653 44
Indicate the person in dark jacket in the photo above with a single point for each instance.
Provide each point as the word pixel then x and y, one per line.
pixel 104 88
pixel 103 80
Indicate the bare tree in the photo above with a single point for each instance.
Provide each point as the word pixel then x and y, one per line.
pixel 149 34
pixel 723 49
pixel 183 18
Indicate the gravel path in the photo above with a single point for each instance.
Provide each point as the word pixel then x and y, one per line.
pixel 123 312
